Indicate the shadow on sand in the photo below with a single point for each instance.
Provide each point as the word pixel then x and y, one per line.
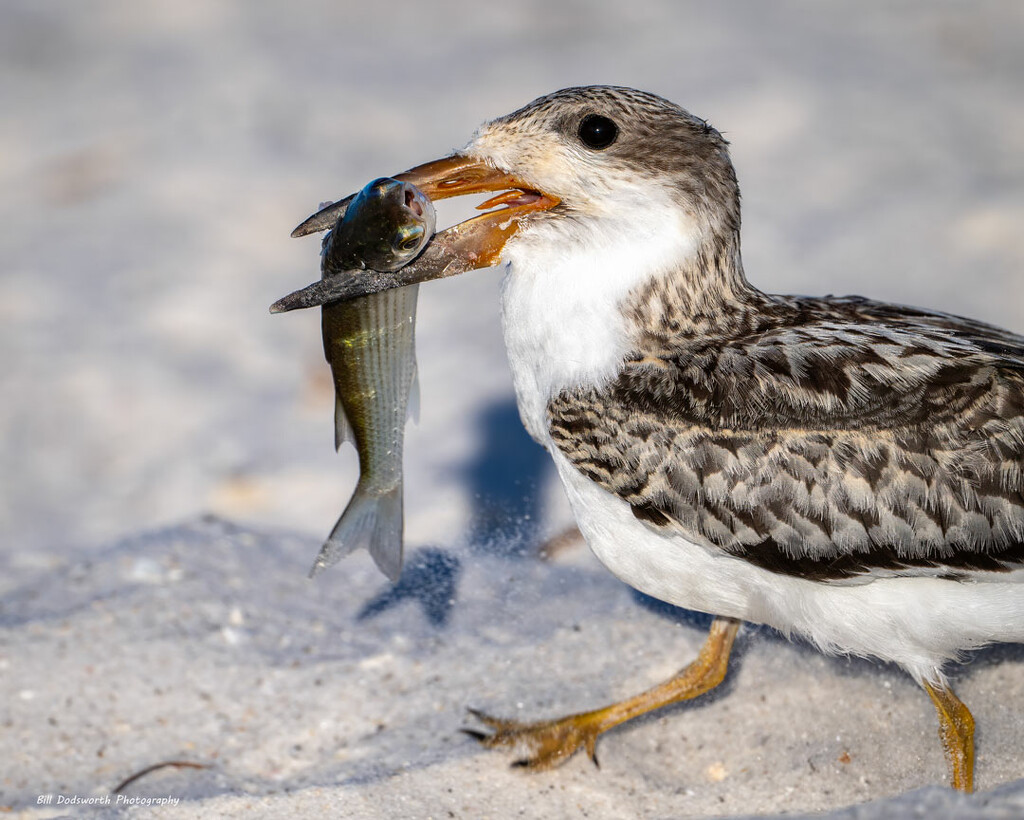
pixel 505 478
pixel 430 578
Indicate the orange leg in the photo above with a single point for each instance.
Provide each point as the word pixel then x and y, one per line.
pixel 550 742
pixel 956 731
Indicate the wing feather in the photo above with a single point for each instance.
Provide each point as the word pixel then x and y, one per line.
pixel 842 438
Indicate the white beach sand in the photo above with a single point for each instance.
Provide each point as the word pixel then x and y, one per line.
pixel 167 470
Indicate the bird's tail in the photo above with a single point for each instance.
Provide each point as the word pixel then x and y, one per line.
pixel 372 519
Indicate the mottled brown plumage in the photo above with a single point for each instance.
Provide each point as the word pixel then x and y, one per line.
pixel 818 437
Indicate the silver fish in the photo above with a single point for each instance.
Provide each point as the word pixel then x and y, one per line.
pixel 369 343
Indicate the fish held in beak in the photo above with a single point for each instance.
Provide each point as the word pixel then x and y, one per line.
pixel 470 245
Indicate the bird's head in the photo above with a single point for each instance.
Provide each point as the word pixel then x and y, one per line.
pixel 601 149
pixel 579 167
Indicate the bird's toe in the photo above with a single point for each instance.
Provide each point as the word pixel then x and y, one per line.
pixel 544 744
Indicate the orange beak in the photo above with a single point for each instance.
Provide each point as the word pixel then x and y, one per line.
pixel 470 245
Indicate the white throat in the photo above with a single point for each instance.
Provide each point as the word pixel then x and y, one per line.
pixel 564 287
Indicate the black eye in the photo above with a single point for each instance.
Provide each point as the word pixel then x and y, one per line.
pixel 597 132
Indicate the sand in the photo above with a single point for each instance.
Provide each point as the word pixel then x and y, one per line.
pixel 167 470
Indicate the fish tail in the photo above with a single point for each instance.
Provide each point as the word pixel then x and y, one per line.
pixel 386 538
pixel 372 519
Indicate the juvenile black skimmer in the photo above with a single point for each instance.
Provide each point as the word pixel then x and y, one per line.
pixel 841 469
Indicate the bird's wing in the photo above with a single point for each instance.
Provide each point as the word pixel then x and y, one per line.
pixel 850 439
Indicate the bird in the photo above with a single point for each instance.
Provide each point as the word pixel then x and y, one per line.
pixel 840 469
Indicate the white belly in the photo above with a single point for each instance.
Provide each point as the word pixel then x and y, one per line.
pixel 918 623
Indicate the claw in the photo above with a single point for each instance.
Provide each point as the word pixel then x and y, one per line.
pixel 548 743
pixel 493 722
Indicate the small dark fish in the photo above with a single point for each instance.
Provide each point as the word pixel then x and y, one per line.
pixel 369 343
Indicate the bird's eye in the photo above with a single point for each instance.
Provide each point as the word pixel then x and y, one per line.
pixel 597 132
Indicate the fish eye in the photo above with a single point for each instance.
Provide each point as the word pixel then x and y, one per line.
pixel 597 131
pixel 408 238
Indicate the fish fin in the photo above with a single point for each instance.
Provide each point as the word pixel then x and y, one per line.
pixel 386 538
pixel 348 534
pixel 342 428
pixel 373 520
pixel 413 410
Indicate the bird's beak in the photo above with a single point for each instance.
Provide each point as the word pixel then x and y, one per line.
pixel 475 243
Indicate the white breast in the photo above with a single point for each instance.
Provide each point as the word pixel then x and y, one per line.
pixel 564 285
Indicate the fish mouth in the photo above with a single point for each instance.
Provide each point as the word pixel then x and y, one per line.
pixel 470 245
pixel 412 202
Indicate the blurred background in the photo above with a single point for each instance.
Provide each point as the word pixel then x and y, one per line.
pixel 155 156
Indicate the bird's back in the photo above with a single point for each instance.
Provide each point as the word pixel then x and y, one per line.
pixel 826 438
